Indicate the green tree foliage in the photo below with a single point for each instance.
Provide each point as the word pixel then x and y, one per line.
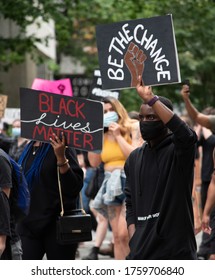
pixel 75 22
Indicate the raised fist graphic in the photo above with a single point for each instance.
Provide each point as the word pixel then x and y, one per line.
pixel 134 60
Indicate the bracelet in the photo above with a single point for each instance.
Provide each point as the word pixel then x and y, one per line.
pixel 62 164
pixel 153 100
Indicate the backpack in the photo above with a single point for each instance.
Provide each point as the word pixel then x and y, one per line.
pixel 20 194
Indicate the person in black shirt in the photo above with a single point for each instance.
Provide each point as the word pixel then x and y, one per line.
pixel 17 146
pixel 5 140
pixel 206 119
pixel 159 181
pixel 5 186
pixel 207 141
pixel 19 142
pixel 38 230
pixel 207 227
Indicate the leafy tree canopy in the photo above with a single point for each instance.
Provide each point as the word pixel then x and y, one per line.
pixel 75 22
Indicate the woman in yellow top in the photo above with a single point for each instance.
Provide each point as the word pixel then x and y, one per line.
pixel 121 137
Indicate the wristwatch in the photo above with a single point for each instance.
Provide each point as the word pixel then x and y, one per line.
pixel 153 100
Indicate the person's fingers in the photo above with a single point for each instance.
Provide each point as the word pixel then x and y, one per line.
pixel 185 88
pixel 139 81
pixel 131 46
pixel 141 57
pixel 206 228
pixel 135 50
pixel 63 138
pixel 52 141
pixel 56 138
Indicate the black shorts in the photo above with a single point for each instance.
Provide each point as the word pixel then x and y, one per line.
pixel 4 214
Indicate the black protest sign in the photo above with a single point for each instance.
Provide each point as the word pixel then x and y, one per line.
pixel 144 47
pixel 96 91
pixel 45 113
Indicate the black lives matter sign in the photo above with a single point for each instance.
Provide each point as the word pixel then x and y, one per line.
pixel 144 47
pixel 45 113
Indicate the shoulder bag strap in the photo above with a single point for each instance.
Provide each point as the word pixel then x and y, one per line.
pixel 61 197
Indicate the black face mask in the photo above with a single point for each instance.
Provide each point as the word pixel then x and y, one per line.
pixel 152 129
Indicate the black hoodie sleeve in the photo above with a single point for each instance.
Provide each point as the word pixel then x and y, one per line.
pixel 129 191
pixel 184 136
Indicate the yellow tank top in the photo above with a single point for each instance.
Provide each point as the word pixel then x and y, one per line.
pixel 111 154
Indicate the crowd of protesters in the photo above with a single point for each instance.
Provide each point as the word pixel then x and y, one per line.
pixel 145 199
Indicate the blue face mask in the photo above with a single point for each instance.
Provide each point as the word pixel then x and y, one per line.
pixel 16 131
pixel 110 117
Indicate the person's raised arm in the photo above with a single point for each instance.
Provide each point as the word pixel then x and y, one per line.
pixel 195 115
pixel 206 132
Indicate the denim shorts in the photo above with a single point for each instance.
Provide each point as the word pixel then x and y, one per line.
pixel 120 198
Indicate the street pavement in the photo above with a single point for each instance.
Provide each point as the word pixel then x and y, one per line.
pixel 85 247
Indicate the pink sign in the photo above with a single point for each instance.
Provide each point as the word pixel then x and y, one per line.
pixel 62 86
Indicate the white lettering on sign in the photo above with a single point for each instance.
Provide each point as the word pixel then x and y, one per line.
pixel 140 36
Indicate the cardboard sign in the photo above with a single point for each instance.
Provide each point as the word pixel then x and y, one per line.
pixel 11 114
pixel 44 113
pixel 3 104
pixel 62 87
pixel 96 91
pixel 144 47
pixel 80 84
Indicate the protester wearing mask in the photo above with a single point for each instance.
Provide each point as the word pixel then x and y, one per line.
pixel 159 181
pixel 16 132
pixel 110 117
pixel 18 142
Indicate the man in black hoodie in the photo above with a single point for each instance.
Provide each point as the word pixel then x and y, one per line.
pixel 159 189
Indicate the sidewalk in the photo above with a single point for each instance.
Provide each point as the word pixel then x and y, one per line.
pixel 85 247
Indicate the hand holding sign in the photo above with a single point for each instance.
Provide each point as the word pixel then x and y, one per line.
pixel 145 92
pixel 134 60
pixel 185 91
pixel 59 146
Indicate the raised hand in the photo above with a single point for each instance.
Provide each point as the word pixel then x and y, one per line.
pixel 185 91
pixel 145 92
pixel 59 145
